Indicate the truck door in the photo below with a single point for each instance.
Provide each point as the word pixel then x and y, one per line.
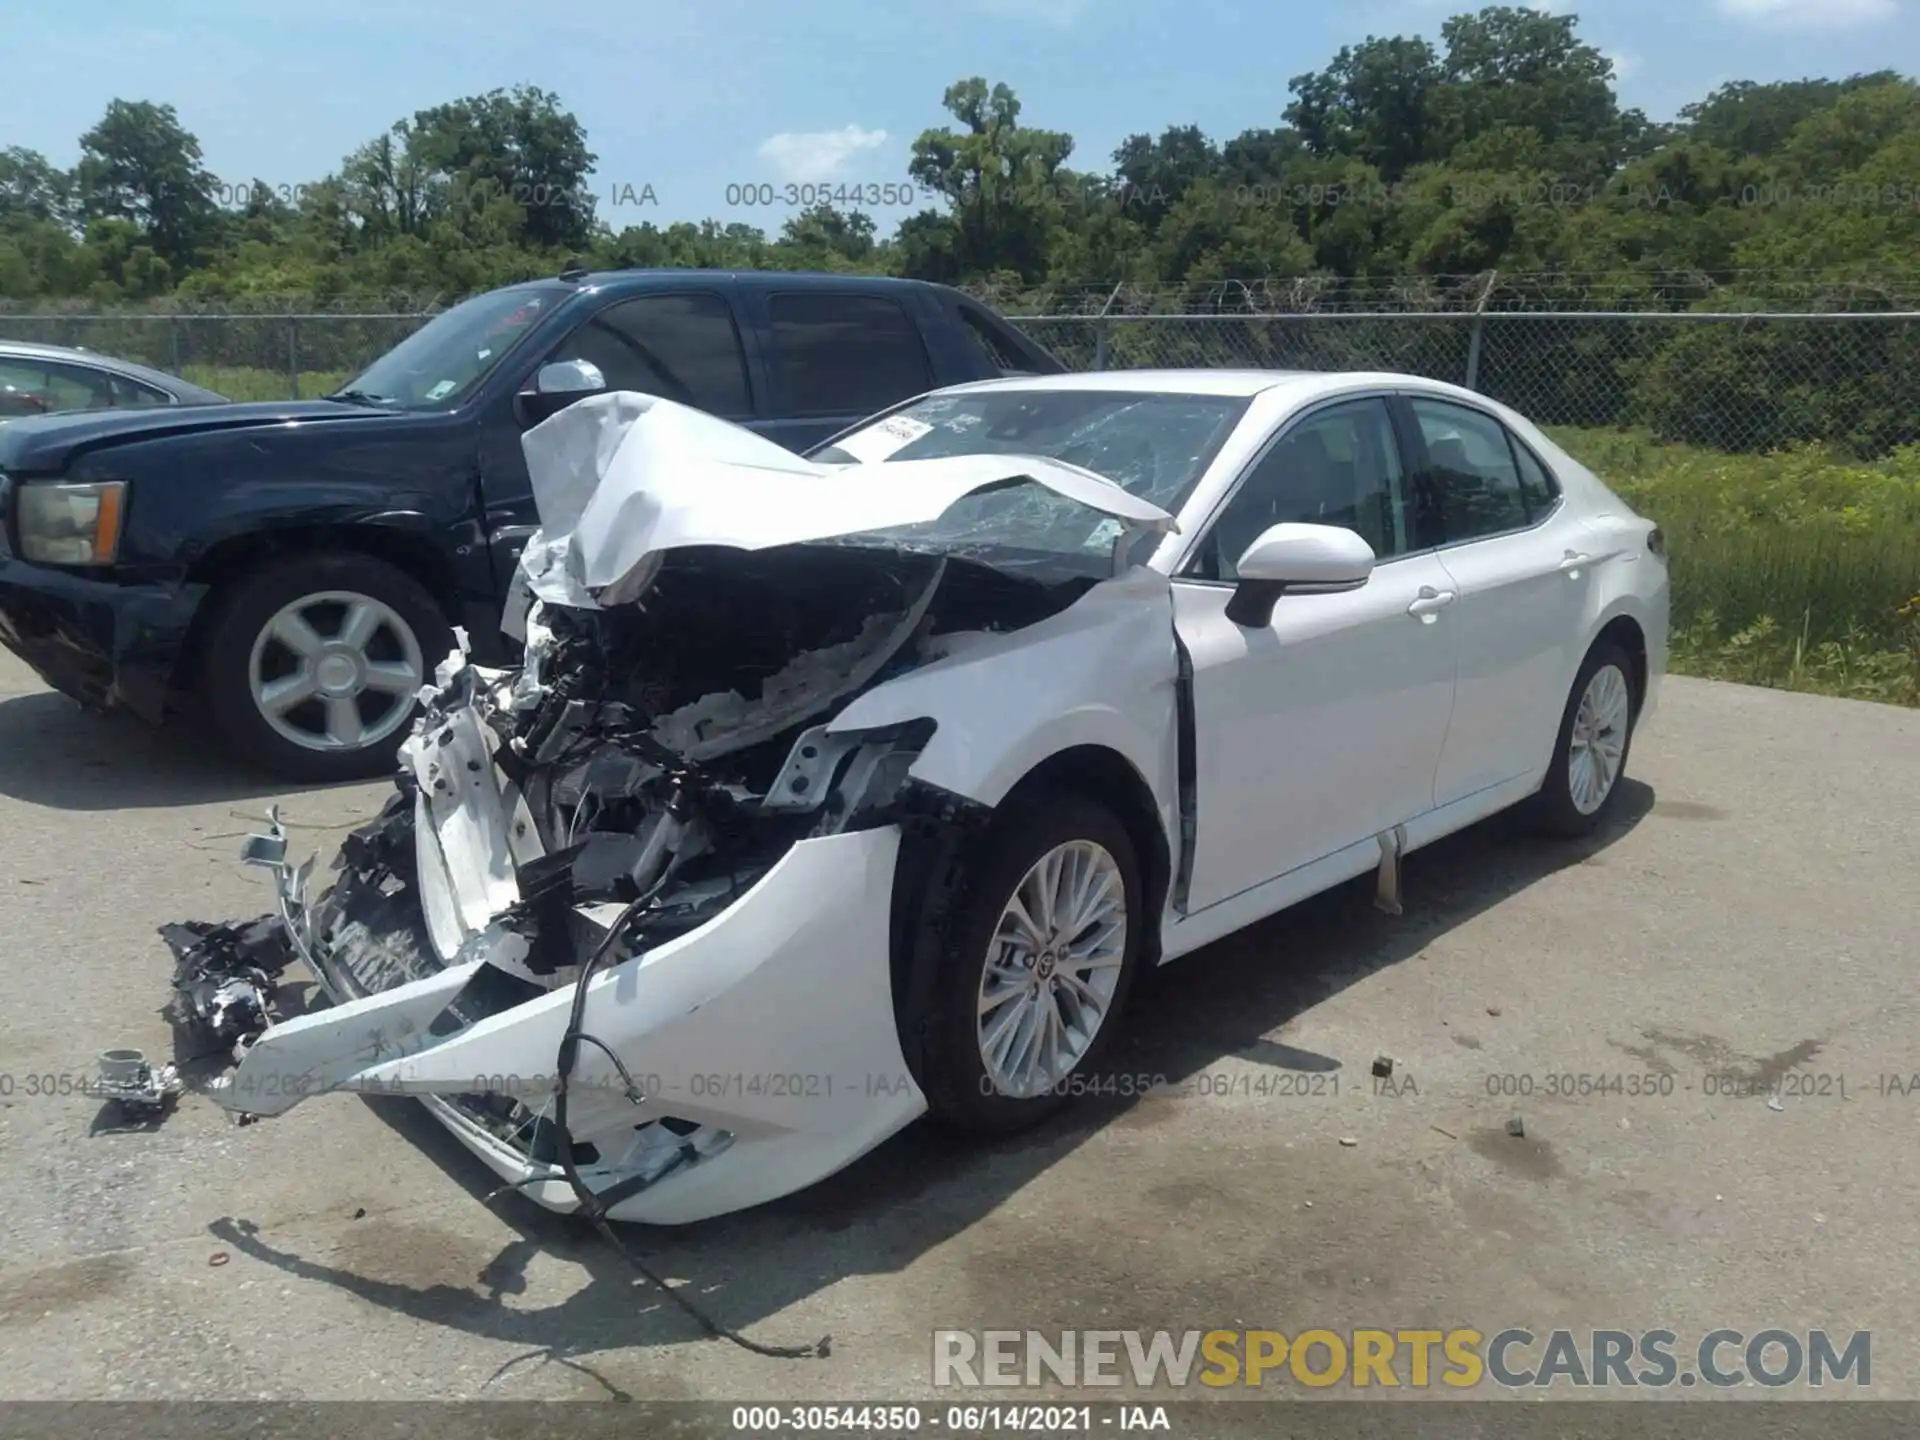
pixel 681 343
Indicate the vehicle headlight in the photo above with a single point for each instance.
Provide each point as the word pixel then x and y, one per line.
pixel 68 524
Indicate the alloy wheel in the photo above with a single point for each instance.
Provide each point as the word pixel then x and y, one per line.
pixel 1051 968
pixel 336 670
pixel 1599 739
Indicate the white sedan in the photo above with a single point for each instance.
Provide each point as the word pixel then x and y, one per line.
pixel 838 790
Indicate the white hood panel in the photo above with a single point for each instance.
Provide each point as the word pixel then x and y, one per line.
pixel 620 479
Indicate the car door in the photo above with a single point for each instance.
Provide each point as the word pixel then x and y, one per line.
pixel 679 344
pixel 1523 566
pixel 835 357
pixel 1323 727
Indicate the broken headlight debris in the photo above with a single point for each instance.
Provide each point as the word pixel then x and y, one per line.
pixel 225 976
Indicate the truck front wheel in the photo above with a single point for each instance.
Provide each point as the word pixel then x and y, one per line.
pixel 313 665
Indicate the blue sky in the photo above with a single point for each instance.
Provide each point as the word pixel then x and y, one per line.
pixel 689 97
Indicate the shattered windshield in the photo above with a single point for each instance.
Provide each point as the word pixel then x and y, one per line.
pixel 441 362
pixel 1155 446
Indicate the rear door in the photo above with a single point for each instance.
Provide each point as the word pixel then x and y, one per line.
pixel 683 343
pixel 1523 566
pixel 834 357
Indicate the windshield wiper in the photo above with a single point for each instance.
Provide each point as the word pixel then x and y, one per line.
pixel 360 397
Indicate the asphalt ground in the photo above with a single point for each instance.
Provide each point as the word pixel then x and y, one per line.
pixel 1746 929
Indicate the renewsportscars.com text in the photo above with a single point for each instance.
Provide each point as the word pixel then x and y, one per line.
pixel 1455 1359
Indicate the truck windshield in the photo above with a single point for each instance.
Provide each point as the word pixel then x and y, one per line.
pixel 440 363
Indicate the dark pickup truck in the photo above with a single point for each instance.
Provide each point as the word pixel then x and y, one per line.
pixel 295 569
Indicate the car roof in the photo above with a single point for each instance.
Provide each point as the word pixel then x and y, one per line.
pixel 133 370
pixel 755 279
pixel 1289 385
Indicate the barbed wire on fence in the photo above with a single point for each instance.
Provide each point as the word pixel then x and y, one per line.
pixel 1650 290
pixel 1738 368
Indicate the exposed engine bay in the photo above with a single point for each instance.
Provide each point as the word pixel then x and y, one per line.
pixel 654 759
pixel 633 905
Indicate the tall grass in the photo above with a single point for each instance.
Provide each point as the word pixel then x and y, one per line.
pixel 1799 569
pixel 247 382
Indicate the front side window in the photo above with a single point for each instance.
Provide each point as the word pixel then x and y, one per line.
pixel 444 361
pixel 1338 466
pixel 846 354
pixel 1472 480
pixel 681 347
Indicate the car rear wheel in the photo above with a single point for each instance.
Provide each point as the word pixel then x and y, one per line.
pixel 312 667
pixel 1037 964
pixel 1590 753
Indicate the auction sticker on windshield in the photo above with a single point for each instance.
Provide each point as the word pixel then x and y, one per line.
pixel 877 442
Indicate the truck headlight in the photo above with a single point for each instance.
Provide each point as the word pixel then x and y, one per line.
pixel 67 524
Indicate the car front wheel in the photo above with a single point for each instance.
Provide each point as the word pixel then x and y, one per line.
pixel 313 667
pixel 1037 964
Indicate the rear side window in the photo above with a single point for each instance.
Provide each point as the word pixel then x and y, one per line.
pixel 999 351
pixel 846 354
pixel 1470 471
pixel 1537 487
pixel 680 347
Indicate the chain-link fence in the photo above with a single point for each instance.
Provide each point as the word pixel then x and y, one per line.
pixel 1730 381
pixel 1734 380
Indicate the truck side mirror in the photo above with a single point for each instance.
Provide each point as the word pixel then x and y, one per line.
pixel 555 386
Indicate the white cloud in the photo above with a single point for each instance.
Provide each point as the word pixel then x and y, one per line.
pixel 1623 63
pixel 1056 14
pixel 1810 14
pixel 802 159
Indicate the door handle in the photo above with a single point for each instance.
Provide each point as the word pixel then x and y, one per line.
pixel 1430 601
pixel 1574 563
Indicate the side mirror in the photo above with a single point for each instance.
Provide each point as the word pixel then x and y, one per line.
pixel 556 386
pixel 1297 559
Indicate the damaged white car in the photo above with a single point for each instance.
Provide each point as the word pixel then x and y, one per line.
pixel 837 790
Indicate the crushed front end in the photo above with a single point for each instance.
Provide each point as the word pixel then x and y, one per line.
pixel 677 806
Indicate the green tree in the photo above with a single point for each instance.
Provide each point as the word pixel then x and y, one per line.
pixel 32 188
pixel 1000 180
pixel 139 165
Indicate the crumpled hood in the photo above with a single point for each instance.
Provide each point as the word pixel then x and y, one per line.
pixel 621 479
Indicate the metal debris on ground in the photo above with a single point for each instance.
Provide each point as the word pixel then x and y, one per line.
pixel 1382 1066
pixel 224 977
pixel 141 1090
pixel 1348 1141
pixel 1517 1128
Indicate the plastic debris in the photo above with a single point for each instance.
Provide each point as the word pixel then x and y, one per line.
pixel 1382 1066
pixel 1348 1141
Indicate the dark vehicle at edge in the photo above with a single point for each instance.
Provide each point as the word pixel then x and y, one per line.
pixel 295 568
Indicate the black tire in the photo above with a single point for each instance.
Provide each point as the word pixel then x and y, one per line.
pixel 1553 810
pixel 952 1071
pixel 249 604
